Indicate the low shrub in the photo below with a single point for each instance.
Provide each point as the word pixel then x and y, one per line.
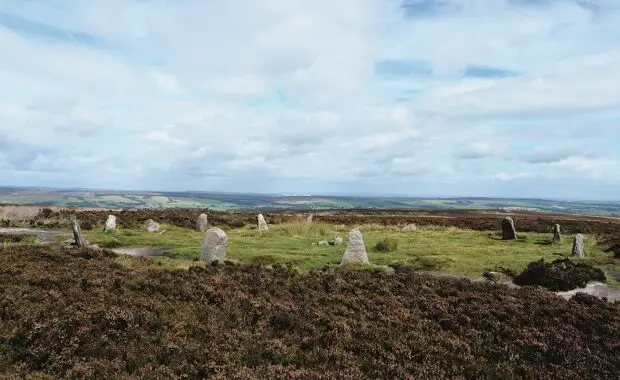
pixel 560 275
pixel 388 244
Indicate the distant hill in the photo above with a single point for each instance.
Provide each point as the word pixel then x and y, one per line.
pixel 231 201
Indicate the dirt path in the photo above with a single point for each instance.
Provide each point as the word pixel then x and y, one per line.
pixel 43 236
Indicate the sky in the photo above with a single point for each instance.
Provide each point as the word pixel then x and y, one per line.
pixel 506 98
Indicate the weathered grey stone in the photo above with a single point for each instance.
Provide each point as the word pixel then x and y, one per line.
pixel 262 224
pixel 557 234
pixel 337 240
pixel 410 227
pixel 578 246
pixel 78 237
pixel 214 245
pixel 201 223
pixel 508 229
pixel 323 242
pixel 152 226
pixel 309 219
pixel 110 224
pixel 356 250
pixel 492 276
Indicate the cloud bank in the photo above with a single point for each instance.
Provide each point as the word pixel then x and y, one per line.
pixel 419 97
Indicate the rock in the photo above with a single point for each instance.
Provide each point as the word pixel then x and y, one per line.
pixel 410 227
pixel 201 222
pixel 152 226
pixel 309 219
pixel 214 245
pixel 356 250
pixel 323 242
pixel 78 237
pixel 492 276
pixel 508 229
pixel 578 246
pixel 337 240
pixel 557 234
pixel 262 224
pixel 110 224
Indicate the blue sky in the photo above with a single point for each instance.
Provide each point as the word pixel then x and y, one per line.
pixel 515 98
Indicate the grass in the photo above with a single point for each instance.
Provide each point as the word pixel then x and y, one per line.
pixel 438 249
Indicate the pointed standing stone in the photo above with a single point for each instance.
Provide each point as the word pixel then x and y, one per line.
pixel 262 224
pixel 309 219
pixel 152 226
pixel 78 237
pixel 578 246
pixel 201 223
pixel 356 250
pixel 508 229
pixel 557 234
pixel 214 245
pixel 110 224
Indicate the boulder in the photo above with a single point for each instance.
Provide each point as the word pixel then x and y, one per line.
pixel 110 224
pixel 410 227
pixel 578 246
pixel 78 237
pixel 492 276
pixel 262 224
pixel 152 226
pixel 356 249
pixel 214 245
pixel 557 234
pixel 508 229
pixel 201 223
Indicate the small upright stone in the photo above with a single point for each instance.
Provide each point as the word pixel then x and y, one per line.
pixel 309 219
pixel 262 224
pixel 337 240
pixel 508 229
pixel 578 246
pixel 110 224
pixel 78 237
pixel 356 250
pixel 201 223
pixel 214 245
pixel 410 227
pixel 152 226
pixel 557 234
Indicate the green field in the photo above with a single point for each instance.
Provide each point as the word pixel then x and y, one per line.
pixel 438 249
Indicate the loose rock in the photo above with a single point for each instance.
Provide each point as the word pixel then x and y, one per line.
pixel 78 237
pixel 309 219
pixel 214 245
pixel 410 227
pixel 508 229
pixel 492 276
pixel 557 234
pixel 337 240
pixel 201 223
pixel 110 224
pixel 262 224
pixel 152 226
pixel 323 242
pixel 356 249
pixel 578 246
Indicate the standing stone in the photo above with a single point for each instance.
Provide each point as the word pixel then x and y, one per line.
pixel 152 226
pixel 508 229
pixel 578 246
pixel 337 240
pixel 201 223
pixel 309 219
pixel 78 237
pixel 262 224
pixel 214 245
pixel 356 250
pixel 110 224
pixel 410 227
pixel 557 234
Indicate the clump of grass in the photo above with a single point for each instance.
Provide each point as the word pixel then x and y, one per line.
pixel 388 244
pixel 296 228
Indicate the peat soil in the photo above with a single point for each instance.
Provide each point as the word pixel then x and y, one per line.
pixel 79 314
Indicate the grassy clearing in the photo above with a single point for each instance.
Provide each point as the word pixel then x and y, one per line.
pixel 439 249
